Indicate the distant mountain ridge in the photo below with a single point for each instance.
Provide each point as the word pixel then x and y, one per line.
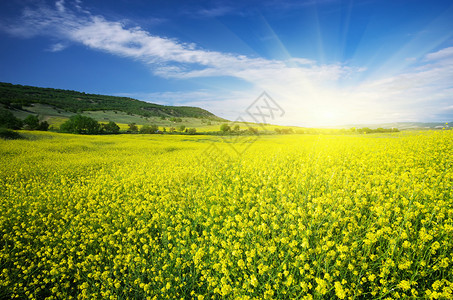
pixel 16 96
pixel 402 125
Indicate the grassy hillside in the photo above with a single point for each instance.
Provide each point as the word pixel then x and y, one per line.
pixel 55 117
pixel 20 97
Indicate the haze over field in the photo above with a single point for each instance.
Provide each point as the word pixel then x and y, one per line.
pixel 325 62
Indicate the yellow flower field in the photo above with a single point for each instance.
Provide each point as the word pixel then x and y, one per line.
pixel 293 217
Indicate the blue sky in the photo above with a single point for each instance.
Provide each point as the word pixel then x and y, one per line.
pixel 325 62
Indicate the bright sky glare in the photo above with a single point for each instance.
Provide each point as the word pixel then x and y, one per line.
pixel 326 62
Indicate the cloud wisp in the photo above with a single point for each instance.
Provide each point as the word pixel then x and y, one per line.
pixel 168 57
pixel 307 89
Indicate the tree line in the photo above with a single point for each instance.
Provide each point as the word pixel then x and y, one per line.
pixel 154 129
pixel 80 124
pixel 31 122
pixel 85 125
pixel 9 122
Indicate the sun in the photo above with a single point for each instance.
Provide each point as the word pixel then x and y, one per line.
pixel 326 117
pixel 329 115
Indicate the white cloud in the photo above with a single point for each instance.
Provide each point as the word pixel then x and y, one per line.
pixel 309 92
pixel 113 37
pixel 60 6
pixel 441 54
pixel 215 12
pixel 57 47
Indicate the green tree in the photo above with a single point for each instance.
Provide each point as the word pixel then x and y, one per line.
pixel 175 120
pixel 8 120
pixel 111 127
pixel 7 134
pixel 31 122
pixel 155 128
pixel 16 106
pixel 181 128
pixel 253 130
pixel 43 126
pixel 133 127
pixel 225 128
pixel 191 130
pixel 364 130
pixel 286 130
pixel 81 125
pixel 149 129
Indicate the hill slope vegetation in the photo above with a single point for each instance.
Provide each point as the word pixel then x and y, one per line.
pixel 19 96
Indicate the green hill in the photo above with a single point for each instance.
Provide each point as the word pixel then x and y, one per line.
pixel 19 97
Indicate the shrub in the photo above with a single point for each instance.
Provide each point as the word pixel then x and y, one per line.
pixel 133 127
pixel 192 131
pixel 81 125
pixel 8 134
pixel 253 130
pixel 8 120
pixel 31 122
pixel 175 120
pixel 111 127
pixel 225 128
pixel 149 129
pixel 43 126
